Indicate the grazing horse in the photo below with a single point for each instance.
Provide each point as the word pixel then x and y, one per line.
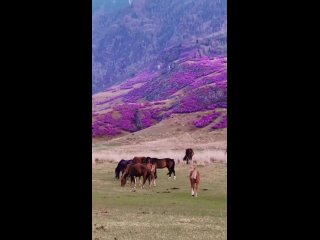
pixel 153 170
pixel 163 163
pixel 121 167
pixel 195 181
pixel 136 170
pixel 139 160
pixel 189 155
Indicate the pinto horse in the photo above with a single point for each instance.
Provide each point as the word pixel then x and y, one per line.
pixel 194 181
pixel 121 167
pixel 137 170
pixel 163 163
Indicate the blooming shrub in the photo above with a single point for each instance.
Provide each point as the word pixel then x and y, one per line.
pixel 200 99
pixel 206 120
pixel 222 124
pixel 202 83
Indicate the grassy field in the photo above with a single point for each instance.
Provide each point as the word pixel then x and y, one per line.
pixel 167 211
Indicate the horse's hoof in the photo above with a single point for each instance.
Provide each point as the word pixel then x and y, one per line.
pixel 192 195
pixel 174 177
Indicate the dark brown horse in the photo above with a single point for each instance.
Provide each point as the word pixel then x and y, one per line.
pixel 163 163
pixel 139 159
pixel 121 167
pixel 137 170
pixel 194 181
pixel 189 155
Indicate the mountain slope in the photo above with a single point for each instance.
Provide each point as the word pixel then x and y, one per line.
pixel 129 39
pixel 183 84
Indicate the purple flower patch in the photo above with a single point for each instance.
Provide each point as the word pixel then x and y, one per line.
pixel 206 120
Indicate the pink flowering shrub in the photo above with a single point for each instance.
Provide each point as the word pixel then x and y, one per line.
pixel 201 84
pixel 222 124
pixel 206 120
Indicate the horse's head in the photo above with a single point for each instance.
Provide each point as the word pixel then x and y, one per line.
pixel 124 176
pixel 123 181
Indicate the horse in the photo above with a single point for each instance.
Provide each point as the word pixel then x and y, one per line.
pixel 194 181
pixel 163 163
pixel 139 159
pixel 137 170
pixel 121 167
pixel 189 155
pixel 153 170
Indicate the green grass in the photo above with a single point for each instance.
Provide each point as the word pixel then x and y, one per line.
pixel 119 213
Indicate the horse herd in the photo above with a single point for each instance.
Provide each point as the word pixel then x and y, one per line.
pixel 146 167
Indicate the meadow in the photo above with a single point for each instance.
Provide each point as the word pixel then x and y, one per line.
pixel 166 211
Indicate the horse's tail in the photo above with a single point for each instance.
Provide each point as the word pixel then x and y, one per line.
pixel 117 172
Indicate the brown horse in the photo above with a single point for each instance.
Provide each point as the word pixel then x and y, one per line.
pixel 139 159
pixel 195 181
pixel 189 155
pixel 163 163
pixel 137 170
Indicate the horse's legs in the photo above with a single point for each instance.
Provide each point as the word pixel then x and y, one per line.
pixel 174 174
pixel 192 190
pixel 155 177
pixel 140 181
pixel 169 173
pixel 131 181
pixel 150 180
pixel 144 180
pixel 197 187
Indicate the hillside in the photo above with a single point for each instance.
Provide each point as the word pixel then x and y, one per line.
pixel 127 38
pixel 184 85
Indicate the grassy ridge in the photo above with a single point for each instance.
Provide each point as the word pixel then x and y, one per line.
pixel 161 212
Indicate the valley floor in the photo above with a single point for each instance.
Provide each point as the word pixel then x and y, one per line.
pixel 166 211
pixel 168 138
